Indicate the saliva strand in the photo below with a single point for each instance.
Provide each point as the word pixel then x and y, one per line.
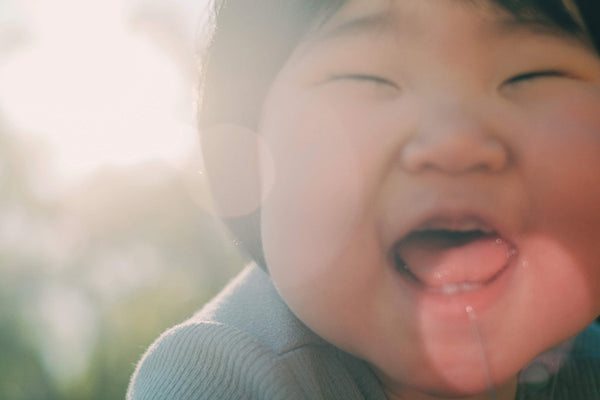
pixel 491 390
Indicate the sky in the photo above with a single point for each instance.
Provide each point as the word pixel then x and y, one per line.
pixel 89 80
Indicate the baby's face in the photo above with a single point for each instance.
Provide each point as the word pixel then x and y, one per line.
pixel 432 157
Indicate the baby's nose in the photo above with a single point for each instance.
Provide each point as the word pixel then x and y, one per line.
pixel 454 144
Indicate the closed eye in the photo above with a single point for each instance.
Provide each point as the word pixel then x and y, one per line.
pixel 536 75
pixel 365 78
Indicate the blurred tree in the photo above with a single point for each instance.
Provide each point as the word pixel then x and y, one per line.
pixel 101 270
pixel 22 375
pixel 151 257
pixel 90 276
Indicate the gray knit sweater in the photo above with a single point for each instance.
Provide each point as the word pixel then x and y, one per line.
pixel 246 344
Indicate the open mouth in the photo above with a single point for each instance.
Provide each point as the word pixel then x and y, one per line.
pixel 452 257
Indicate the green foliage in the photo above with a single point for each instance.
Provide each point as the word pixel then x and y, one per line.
pixel 90 278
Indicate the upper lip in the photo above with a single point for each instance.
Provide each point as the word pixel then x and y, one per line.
pixel 463 224
pixel 464 218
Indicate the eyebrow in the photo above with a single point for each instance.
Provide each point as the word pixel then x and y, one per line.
pixel 537 26
pixel 359 25
pixel 369 24
pixel 542 28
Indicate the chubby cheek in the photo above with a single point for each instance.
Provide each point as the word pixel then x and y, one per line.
pixel 328 157
pixel 318 206
pixel 564 284
pixel 562 164
pixel 311 213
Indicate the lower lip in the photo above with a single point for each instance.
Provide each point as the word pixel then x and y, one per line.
pixel 453 303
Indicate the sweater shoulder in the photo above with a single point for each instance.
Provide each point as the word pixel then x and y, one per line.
pixel 250 303
pixel 210 360
pixel 247 344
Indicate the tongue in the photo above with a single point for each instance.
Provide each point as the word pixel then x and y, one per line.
pixel 439 259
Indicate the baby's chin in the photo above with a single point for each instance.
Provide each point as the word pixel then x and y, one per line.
pixel 452 369
pixel 458 379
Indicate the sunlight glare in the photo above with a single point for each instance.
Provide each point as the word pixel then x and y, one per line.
pixel 96 91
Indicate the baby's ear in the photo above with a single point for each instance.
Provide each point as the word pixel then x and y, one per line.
pixel 239 168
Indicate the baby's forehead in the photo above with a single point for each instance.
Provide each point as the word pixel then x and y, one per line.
pixel 494 17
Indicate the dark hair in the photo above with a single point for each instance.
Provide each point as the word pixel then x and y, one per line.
pixel 246 42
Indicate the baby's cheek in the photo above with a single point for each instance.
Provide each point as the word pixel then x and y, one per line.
pixel 320 191
pixel 573 117
pixel 566 279
pixel 560 155
pixel 314 209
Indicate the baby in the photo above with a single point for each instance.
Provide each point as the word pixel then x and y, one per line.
pixel 421 198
